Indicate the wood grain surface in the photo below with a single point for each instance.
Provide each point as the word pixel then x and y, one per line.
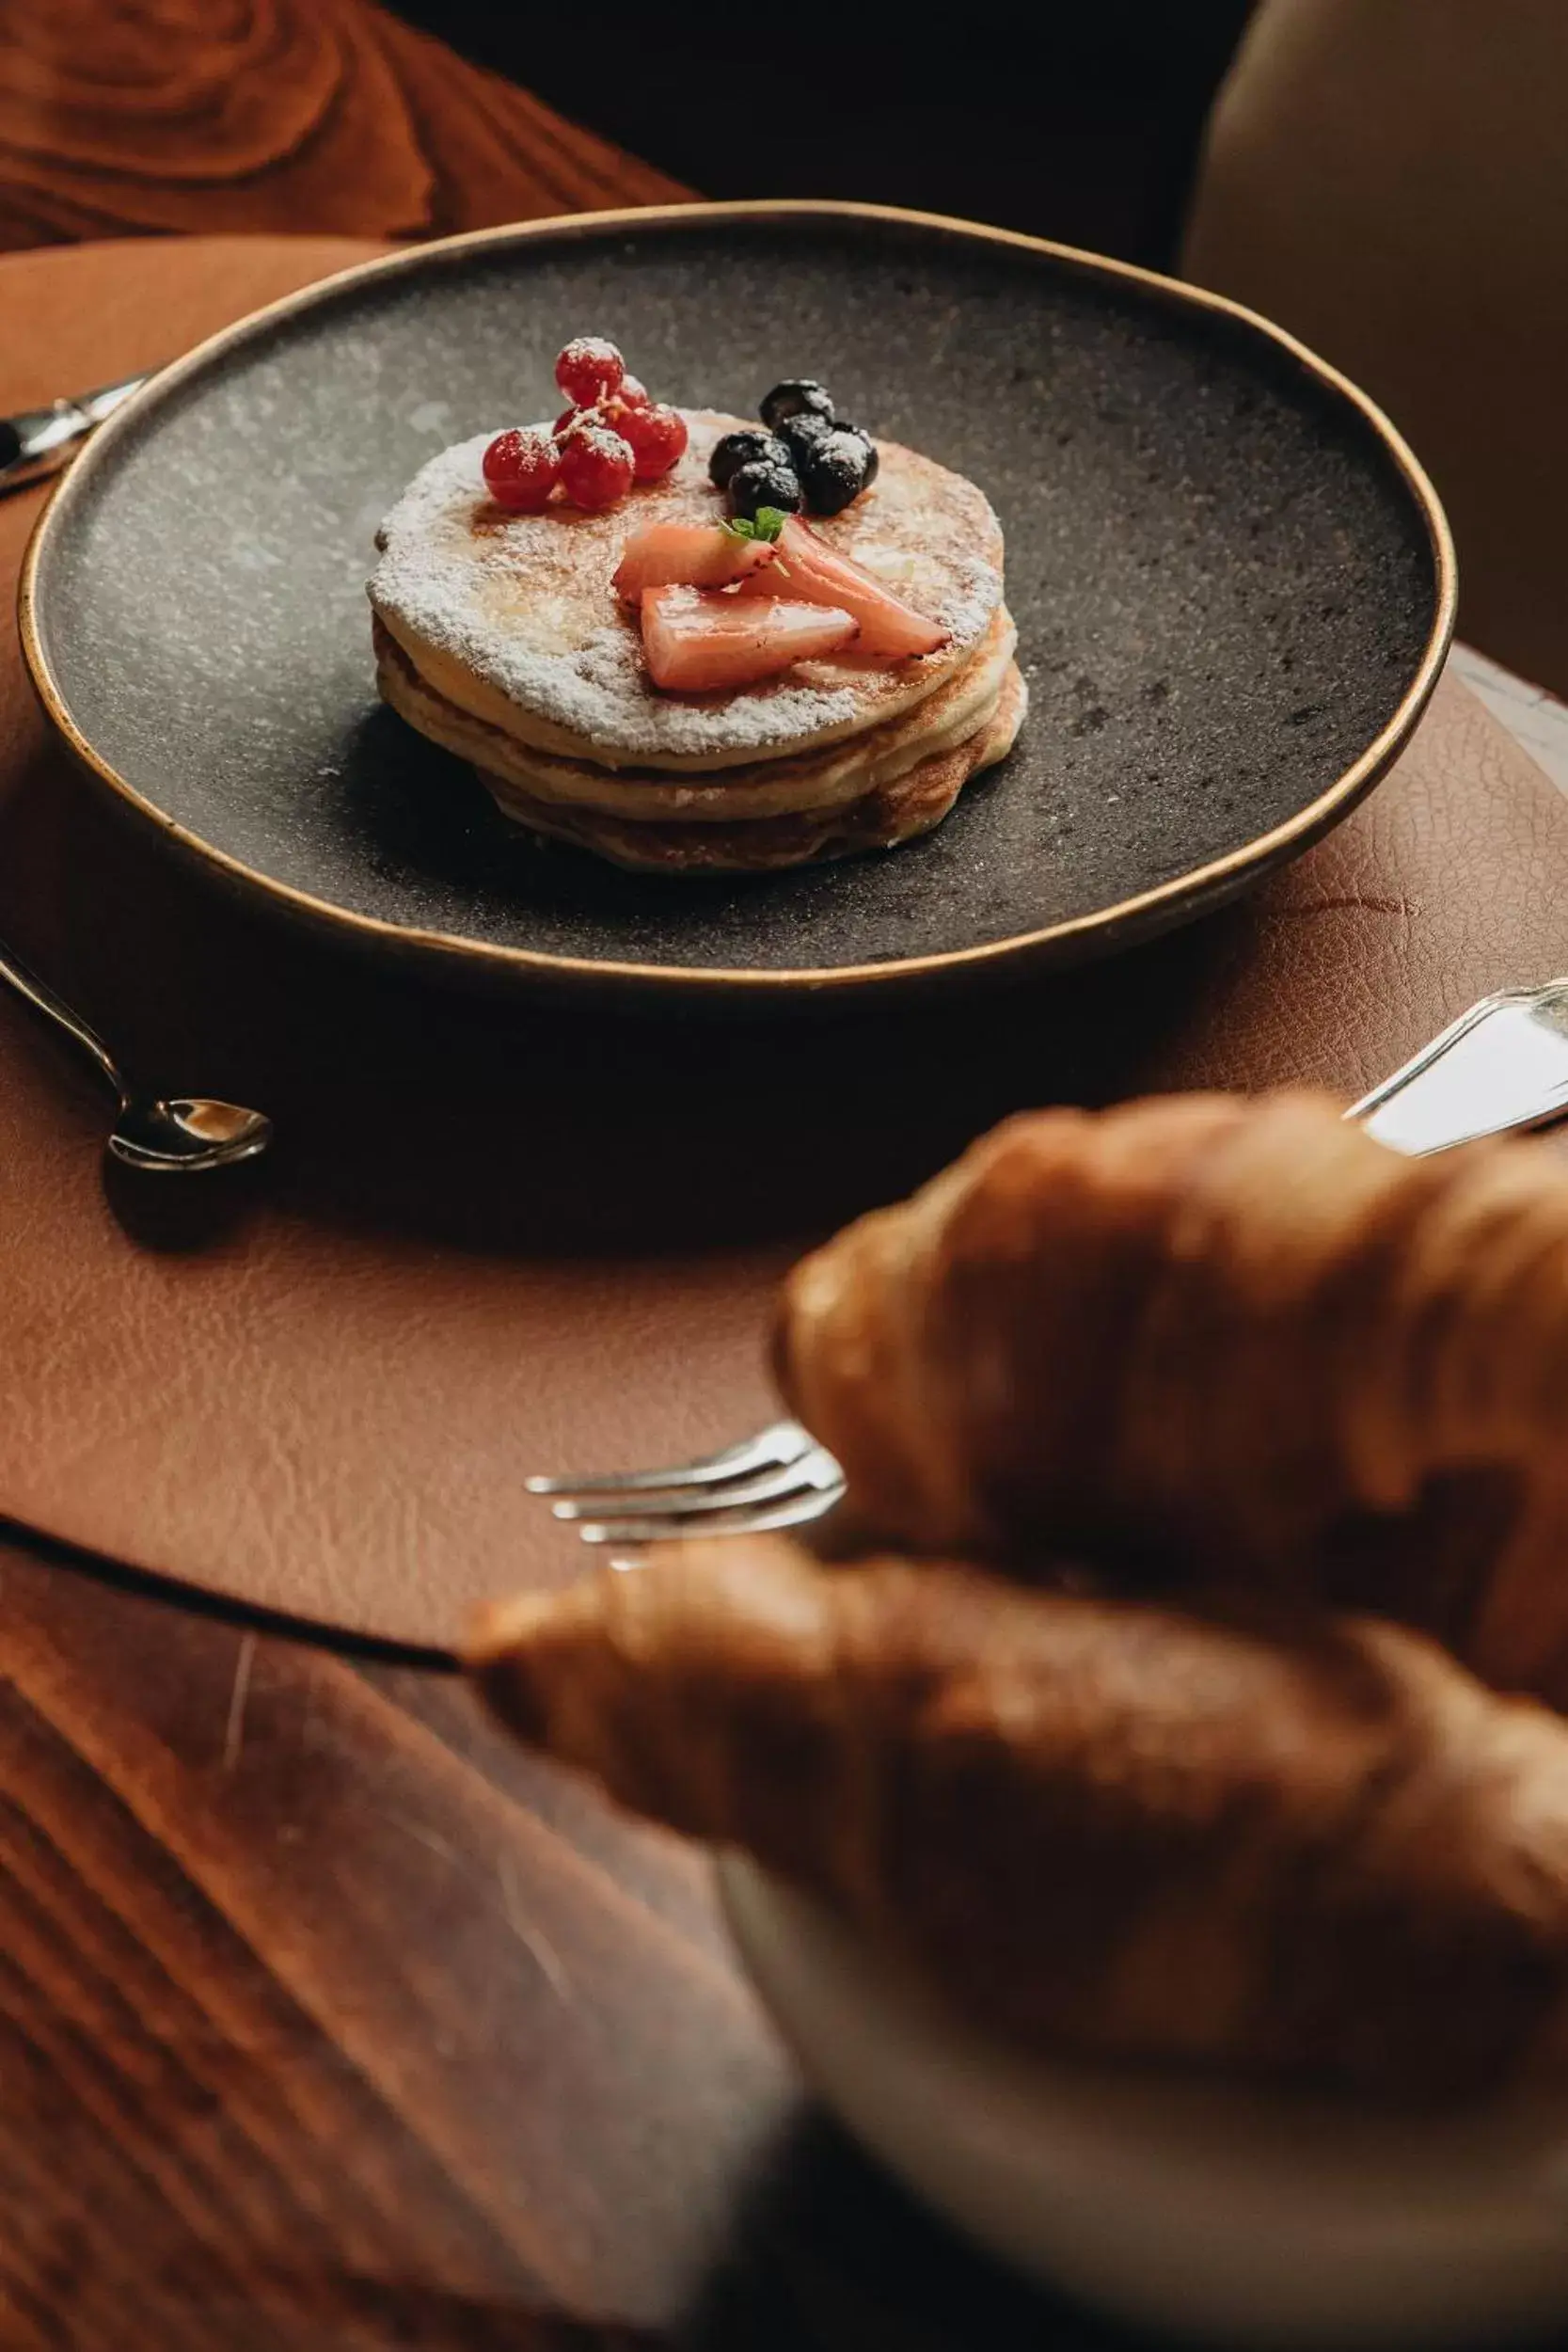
pixel 329 2019
pixel 326 117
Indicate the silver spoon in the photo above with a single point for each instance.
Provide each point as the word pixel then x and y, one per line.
pixel 187 1132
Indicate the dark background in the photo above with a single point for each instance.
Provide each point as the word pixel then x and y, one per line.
pixel 1076 122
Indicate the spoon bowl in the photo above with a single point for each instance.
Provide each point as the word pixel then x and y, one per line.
pixel 186 1133
pixel 172 1135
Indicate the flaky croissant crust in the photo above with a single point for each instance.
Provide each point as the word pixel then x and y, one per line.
pixel 1298 1846
pixel 1212 1338
pixel 1203 1343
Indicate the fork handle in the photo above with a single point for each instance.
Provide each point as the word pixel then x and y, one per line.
pixel 39 441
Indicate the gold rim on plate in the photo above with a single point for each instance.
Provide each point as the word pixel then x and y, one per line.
pixel 1143 914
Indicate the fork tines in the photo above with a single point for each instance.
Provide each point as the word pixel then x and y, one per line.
pixel 780 1478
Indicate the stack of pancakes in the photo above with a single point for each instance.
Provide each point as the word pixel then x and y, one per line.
pixel 500 637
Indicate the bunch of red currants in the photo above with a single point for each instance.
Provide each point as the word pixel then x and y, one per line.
pixel 611 435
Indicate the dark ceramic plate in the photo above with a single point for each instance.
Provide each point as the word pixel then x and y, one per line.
pixel 1233 587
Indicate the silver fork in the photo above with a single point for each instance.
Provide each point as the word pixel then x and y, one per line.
pixel 778 1478
pixel 1500 1067
pixel 39 441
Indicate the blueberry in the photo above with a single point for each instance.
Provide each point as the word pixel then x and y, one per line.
pixel 801 434
pixel 764 483
pixel 837 468
pixel 797 397
pixel 753 447
pixel 873 454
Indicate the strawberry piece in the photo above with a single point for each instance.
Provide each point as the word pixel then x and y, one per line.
pixel 686 555
pixel 695 643
pixel 815 573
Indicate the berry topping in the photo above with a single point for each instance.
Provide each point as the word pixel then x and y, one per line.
pixel 811 571
pixel 522 470
pixel 616 407
pixel 657 436
pixel 837 468
pixel 749 448
pixel 764 481
pixel 588 369
pixel 595 465
pixel 797 397
pixel 695 644
pixel 564 423
pixel 691 555
pixel 802 433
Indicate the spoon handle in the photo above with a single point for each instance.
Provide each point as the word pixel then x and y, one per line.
pixel 54 1010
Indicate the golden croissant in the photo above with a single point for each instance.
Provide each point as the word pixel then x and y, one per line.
pixel 1315 1848
pixel 1207 1338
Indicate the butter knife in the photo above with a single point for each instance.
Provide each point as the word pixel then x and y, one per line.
pixel 1500 1067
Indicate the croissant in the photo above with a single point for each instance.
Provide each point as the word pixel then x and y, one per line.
pixel 1207 1337
pixel 1318 1849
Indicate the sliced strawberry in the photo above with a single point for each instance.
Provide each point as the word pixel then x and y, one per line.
pixel 815 573
pixel 686 555
pixel 696 643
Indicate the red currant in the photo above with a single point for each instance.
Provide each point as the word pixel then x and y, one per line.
pixel 657 436
pixel 522 470
pixel 595 465
pixel 588 369
pixel 631 393
pixel 564 423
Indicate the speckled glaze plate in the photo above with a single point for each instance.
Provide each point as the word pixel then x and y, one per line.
pixel 1233 584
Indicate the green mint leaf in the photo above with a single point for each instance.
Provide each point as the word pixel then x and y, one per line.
pixel 739 528
pixel 770 521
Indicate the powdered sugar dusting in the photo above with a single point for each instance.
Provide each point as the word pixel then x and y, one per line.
pixel 524 602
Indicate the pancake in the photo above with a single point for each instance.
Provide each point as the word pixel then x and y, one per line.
pixel 912 804
pixel 512 618
pixel 833 777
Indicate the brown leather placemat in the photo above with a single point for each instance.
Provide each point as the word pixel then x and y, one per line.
pixel 498 1237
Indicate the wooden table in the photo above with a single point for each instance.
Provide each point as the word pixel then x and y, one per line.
pixel 327 2019
pixel 297 2044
